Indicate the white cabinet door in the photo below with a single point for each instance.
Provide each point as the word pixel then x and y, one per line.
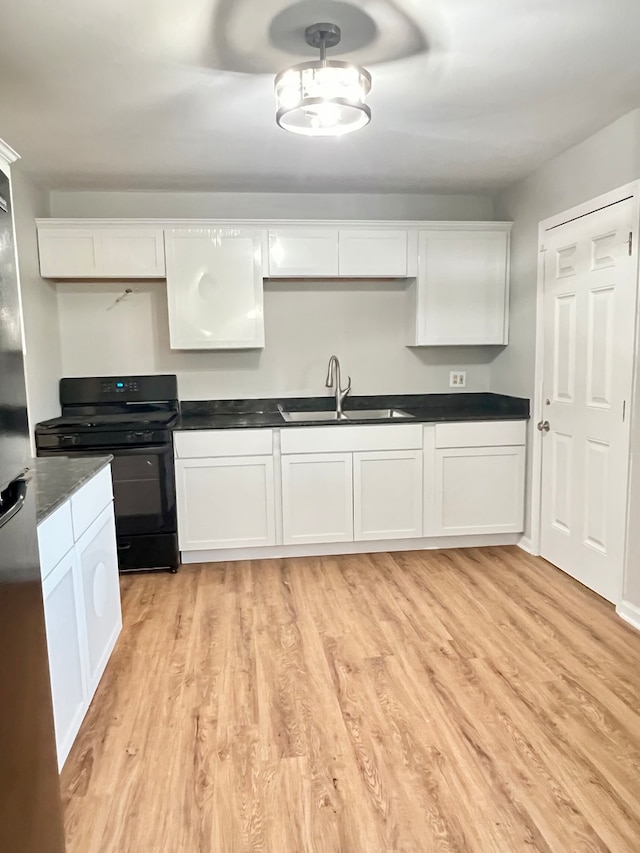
pixel 373 254
pixel 303 252
pixel 462 287
pixel 387 494
pixel 317 498
pixel 94 252
pixel 479 490
pixel 214 288
pixel 69 252
pixel 66 645
pixel 98 564
pixel 225 502
pixel 133 253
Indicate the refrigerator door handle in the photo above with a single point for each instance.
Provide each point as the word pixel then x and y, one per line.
pixel 19 490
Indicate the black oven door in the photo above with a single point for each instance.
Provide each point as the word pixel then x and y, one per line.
pixel 143 489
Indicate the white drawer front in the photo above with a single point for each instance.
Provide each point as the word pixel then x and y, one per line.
pixel 343 438
pixel 200 444
pixel 481 434
pixel 89 501
pixel 55 538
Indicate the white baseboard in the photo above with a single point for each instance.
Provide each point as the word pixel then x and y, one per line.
pixel 527 545
pixel 630 613
pixel 274 552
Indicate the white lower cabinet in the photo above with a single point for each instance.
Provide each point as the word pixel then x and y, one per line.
pixel 479 490
pixel 81 595
pixel 225 502
pixel 66 645
pixel 97 558
pixel 317 498
pixel 478 478
pixel 315 485
pixel 387 494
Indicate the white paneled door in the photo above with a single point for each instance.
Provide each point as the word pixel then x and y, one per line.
pixel 589 319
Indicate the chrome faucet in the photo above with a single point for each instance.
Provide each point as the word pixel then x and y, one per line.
pixel 333 379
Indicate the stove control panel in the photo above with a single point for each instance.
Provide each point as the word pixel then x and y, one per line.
pixel 118 386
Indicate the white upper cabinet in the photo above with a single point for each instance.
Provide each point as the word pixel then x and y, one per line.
pixel 373 254
pixel 303 253
pixel 214 287
pixel 323 252
pixel 71 252
pixel 461 291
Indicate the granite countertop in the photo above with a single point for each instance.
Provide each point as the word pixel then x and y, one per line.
pixel 425 408
pixel 56 478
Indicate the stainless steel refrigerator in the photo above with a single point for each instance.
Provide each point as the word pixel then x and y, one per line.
pixel 30 809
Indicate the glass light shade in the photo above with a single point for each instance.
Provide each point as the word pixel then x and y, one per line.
pixel 323 98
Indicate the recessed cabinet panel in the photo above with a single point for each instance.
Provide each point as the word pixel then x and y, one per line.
pixel 387 494
pixel 133 252
pixel 69 252
pixel 373 254
pixel 66 650
pixel 317 498
pixel 303 253
pixel 479 490
pixel 462 288
pixel 226 502
pixel 214 285
pixel 98 562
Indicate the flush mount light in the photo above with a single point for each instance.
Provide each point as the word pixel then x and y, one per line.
pixel 325 97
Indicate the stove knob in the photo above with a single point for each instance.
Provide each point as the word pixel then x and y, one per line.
pixel 67 439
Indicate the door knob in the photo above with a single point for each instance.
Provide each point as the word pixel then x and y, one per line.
pixel 543 426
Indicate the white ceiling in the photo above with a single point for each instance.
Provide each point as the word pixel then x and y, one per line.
pixel 468 95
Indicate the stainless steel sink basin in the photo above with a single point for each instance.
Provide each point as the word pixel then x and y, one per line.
pixel 311 416
pixel 376 414
pixel 353 415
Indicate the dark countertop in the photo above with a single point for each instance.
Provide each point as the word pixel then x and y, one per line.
pixel 425 408
pixel 56 478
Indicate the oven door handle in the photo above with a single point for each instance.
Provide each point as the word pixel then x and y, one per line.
pixel 127 450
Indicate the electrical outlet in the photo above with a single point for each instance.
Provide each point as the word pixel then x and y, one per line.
pixel 457 379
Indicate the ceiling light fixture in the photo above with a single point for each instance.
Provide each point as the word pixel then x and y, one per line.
pixel 325 97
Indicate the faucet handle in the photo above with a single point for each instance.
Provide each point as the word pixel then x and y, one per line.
pixel 345 391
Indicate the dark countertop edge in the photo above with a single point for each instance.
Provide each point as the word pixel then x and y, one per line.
pixel 424 408
pixel 202 423
pixel 57 478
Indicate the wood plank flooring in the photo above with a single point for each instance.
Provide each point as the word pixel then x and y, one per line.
pixel 470 700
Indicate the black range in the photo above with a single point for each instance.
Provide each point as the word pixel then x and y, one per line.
pixel 131 418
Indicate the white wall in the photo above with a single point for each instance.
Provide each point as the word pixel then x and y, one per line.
pixel 270 205
pixel 603 162
pixel 361 322
pixel 43 360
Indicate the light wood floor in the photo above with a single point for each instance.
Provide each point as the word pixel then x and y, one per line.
pixel 474 700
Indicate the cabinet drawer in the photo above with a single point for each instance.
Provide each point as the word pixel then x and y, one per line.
pixel 199 444
pixel 481 434
pixel 343 438
pixel 55 538
pixel 90 500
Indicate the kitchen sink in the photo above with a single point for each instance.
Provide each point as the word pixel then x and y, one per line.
pixel 311 416
pixel 376 414
pixel 353 415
